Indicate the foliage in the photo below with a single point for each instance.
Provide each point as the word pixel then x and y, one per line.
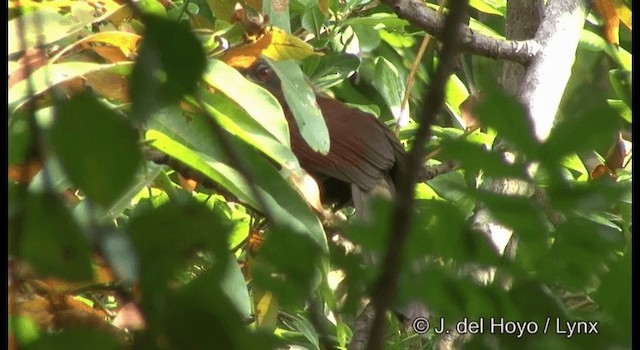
pixel 243 262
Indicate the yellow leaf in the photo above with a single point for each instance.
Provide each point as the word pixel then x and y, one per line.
pixel 266 309
pixel 243 56
pixel 286 46
pixel 625 15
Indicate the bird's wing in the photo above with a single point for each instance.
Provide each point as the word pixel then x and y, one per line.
pixel 362 148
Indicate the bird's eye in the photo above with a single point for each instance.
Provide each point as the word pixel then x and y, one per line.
pixel 264 72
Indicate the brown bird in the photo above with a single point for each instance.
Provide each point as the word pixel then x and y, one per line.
pixel 365 158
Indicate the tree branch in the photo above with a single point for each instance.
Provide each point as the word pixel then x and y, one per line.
pixel 549 72
pixel 385 289
pixel 416 12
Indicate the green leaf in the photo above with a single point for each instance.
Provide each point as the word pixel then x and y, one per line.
pixel 306 328
pixel 255 100
pixel 178 230
pixel 495 7
pixel 460 243
pixel 193 143
pixel 377 21
pixel 97 148
pixel 614 295
pixel 587 130
pixel 329 70
pixel 47 76
pixel 152 7
pixel 52 241
pixel 475 158
pixel 169 65
pixel 238 122
pixel 312 20
pixel 293 276
pixel 391 86
pixel 507 116
pixel 580 252
pixel 24 329
pixel 304 107
pixel 623 110
pixel 278 12
pixel 621 82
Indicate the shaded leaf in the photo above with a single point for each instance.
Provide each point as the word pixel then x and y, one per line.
pixel 588 129
pixel 475 158
pixel 507 116
pixel 312 19
pixel 329 70
pixel 163 74
pixel 91 142
pixel 52 241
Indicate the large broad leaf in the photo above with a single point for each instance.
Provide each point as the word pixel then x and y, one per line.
pixel 178 229
pixel 170 64
pixel 47 76
pixel 97 148
pixel 588 130
pixel 474 158
pixel 327 71
pixel 302 102
pixel 507 116
pixel 41 27
pixel 239 123
pixel 391 86
pixel 258 102
pixel 194 144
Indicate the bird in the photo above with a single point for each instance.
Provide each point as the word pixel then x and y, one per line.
pixel 365 158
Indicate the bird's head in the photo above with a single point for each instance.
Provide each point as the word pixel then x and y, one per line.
pixel 262 74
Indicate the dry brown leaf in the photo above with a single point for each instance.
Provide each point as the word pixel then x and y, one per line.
pixel 24 173
pixel 187 184
pixel 467 108
pixel 243 56
pixel 110 84
pixel 31 60
pixel 610 18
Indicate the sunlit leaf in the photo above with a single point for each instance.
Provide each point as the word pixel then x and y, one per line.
pixel 391 86
pixel 285 46
pixel 260 105
pixel 304 107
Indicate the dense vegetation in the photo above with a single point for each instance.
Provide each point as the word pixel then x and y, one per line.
pixel 221 244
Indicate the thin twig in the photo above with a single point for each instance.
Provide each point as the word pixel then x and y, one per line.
pixel 412 73
pixel 385 289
